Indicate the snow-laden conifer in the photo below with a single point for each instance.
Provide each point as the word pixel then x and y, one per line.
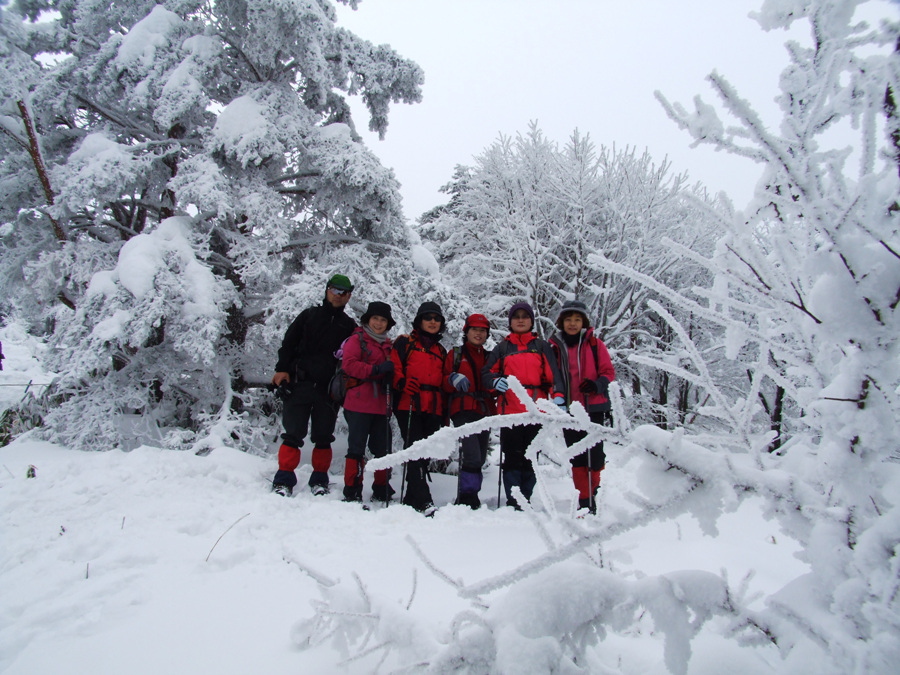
pixel 230 117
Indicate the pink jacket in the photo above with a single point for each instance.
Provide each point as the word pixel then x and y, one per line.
pixel 371 395
pixel 586 360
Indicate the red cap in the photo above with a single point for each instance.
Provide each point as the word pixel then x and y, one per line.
pixel 476 321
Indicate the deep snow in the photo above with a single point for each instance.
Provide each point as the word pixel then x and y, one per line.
pixel 154 561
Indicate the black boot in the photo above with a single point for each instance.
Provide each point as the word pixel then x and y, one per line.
pixel 512 478
pixel 418 495
pixel 588 503
pixel 469 499
pixel 352 493
pixel 382 493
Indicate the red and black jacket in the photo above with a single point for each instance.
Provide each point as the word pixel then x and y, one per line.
pixel 531 360
pixel 420 359
pixel 468 360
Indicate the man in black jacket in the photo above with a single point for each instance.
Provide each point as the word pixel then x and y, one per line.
pixel 306 363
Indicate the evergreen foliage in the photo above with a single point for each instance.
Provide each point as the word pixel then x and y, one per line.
pixel 166 168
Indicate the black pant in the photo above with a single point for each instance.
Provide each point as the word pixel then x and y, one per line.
pixel 473 449
pixel 309 403
pixel 517 470
pixel 414 426
pixel 594 458
pixel 367 428
pixel 514 441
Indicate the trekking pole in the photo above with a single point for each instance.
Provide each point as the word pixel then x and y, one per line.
pixel 459 461
pixel 499 475
pixel 402 481
pixel 390 440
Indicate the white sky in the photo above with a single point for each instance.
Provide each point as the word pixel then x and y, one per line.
pixel 491 66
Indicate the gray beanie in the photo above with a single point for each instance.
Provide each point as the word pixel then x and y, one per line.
pixel 573 307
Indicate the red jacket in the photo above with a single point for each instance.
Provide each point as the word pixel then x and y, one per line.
pixel 532 362
pixel 479 398
pixel 358 362
pixel 577 364
pixel 413 361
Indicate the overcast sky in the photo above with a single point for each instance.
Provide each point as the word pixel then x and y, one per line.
pixel 492 66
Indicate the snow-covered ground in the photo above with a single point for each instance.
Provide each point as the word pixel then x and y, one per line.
pixel 113 562
pixel 154 561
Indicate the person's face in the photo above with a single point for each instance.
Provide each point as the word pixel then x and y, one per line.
pixel 378 324
pixel 337 297
pixel 431 323
pixel 476 335
pixel 520 322
pixel 573 323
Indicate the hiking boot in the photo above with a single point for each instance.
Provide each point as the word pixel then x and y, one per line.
pixel 382 493
pixel 471 500
pixel 352 493
pixel 283 490
pixel 427 509
pixel 589 505
pixel 319 490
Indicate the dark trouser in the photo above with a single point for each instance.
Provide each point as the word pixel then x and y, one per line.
pixel 517 469
pixel 594 458
pixel 364 429
pixel 308 404
pixel 473 451
pixel 414 426
pixel 586 466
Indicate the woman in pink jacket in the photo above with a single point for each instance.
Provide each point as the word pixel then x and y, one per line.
pixel 366 358
pixel 586 370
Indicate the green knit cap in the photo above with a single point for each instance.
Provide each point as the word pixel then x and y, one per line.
pixel 341 282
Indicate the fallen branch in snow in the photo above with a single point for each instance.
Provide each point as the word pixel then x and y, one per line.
pixel 318 577
pixel 223 534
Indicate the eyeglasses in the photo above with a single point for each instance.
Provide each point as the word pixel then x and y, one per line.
pixel 521 315
pixel 431 317
pixel 338 291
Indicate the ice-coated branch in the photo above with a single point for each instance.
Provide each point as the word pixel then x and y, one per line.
pixel 455 583
pixel 443 443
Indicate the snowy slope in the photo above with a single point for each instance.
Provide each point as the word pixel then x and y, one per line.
pixel 113 561
pixel 155 561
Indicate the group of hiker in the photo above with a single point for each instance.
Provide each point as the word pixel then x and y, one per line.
pixel 422 384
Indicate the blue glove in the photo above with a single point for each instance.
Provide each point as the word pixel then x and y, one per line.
pixel 501 385
pixel 560 401
pixel 459 381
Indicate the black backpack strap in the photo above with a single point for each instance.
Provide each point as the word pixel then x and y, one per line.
pixel 457 358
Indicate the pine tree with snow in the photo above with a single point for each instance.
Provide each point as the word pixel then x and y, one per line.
pixel 166 170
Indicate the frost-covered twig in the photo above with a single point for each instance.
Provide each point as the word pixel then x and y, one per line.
pixel 440 574
pixel 223 534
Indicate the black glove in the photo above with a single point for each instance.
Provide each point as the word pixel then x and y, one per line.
pixel 284 390
pixel 383 368
pixel 587 387
pixel 603 386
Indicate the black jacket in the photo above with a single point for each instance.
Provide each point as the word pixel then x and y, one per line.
pixel 307 351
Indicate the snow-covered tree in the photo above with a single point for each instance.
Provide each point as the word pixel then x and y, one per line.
pixel 524 221
pixel 804 287
pixel 230 117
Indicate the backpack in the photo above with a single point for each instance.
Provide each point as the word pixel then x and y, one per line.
pixel 341 382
